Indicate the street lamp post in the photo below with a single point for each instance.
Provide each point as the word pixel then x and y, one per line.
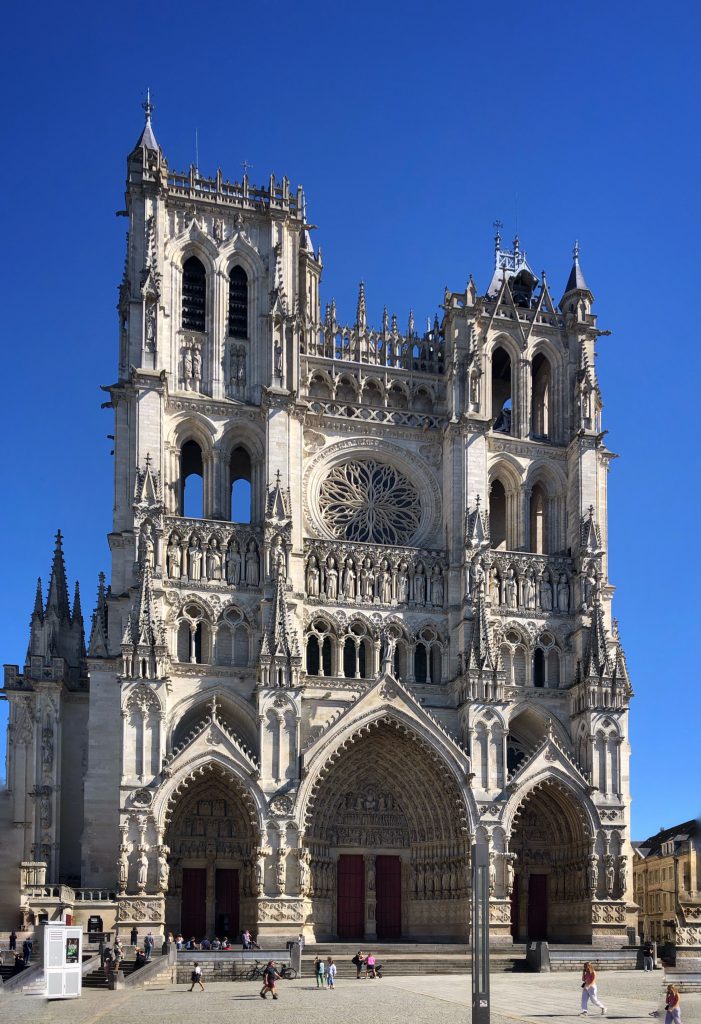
pixel 480 931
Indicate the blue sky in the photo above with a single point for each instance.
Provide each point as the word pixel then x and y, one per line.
pixel 412 128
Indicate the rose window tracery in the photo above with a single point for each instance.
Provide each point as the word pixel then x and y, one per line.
pixel 369 502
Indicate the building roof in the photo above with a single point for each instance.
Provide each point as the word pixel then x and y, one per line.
pixel 652 847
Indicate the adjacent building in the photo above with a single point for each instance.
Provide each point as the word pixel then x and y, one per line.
pixel 359 609
pixel 667 874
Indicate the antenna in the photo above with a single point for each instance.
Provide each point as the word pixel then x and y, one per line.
pixel 197 152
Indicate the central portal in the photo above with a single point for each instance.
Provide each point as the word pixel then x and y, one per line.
pixel 388 856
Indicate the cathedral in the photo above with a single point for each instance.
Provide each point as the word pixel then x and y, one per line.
pixel 359 610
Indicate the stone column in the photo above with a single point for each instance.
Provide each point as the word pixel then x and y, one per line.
pixel 211 895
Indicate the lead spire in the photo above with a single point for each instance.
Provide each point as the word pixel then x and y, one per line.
pixel 147 139
pixel 57 600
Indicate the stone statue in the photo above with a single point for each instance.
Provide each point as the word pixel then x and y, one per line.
pixel 610 875
pixel 622 876
pixel 123 868
pixel 510 590
pixel 593 874
pixel 214 560
pixel 312 577
pixel 304 872
pixel 175 557
pixel 147 547
pixel 278 359
pixel 142 870
pixel 388 645
pixel 437 587
pixel 47 747
pixel 278 559
pixel 385 583
pixel 196 365
pixel 367 581
pixel 419 584
pixel 563 595
pixel 258 872
pixel 371 876
pixel 494 588
pixel 187 367
pixel 492 874
pixel 195 559
pixel 252 565
pixel 527 591
pixel 233 564
pixel 546 593
pixel 331 579
pixel 163 871
pixel 509 872
pixel 349 580
pixel 280 871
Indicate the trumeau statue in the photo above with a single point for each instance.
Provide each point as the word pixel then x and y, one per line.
pixel 484 642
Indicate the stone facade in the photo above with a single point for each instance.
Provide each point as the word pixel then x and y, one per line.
pixel 667 885
pixel 359 606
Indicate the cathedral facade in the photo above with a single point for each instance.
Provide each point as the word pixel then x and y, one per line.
pixel 359 610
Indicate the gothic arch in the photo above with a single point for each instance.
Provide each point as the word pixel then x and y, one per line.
pixel 192 242
pixel 168 793
pixel 186 710
pixel 238 251
pixel 579 801
pixel 345 733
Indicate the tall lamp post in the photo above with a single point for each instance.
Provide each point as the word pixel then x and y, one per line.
pixel 480 931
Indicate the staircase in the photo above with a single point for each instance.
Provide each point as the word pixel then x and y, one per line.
pixel 406 959
pixel 97 979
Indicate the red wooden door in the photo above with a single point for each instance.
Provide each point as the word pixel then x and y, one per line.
pixel 388 873
pixel 350 887
pixel 515 907
pixel 226 895
pixel 193 907
pixel 538 907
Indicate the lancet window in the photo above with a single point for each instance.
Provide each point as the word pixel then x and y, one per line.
pixel 238 303
pixel 194 295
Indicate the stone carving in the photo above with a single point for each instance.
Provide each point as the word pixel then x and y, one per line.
pixel 47 748
pixel 622 875
pixel 142 870
pixel 364 574
pixel 123 868
pixel 281 806
pixel 280 871
pixel 593 874
pixel 191 365
pixel 269 910
pixel 304 872
pixel 610 874
pixel 369 501
pixel 163 869
pixel 212 556
pixel 608 913
pixel 147 556
pixel 139 910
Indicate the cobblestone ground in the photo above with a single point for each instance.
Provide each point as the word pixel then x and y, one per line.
pixel 628 996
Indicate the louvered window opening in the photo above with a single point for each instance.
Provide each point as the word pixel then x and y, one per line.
pixel 194 295
pixel 238 303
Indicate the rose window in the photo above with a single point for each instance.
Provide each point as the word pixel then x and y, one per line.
pixel 370 502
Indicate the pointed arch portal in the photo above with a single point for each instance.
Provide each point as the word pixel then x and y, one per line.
pixel 211 839
pixel 550 837
pixel 389 851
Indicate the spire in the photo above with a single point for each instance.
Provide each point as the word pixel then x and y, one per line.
pixel 361 316
pixel 38 602
pixel 481 655
pixel 597 662
pixel 147 140
pixel 97 647
pixel 144 649
pixel 576 282
pixel 57 600
pixel 280 659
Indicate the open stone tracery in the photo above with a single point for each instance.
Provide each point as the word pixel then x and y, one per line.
pixel 359 610
pixel 371 502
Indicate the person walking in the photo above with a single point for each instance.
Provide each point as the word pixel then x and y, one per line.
pixel 672 1007
pixel 134 936
pixel 270 976
pixel 589 990
pixel 196 977
pixel 13 941
pixel 370 965
pixel 330 973
pixel 148 945
pixel 246 939
pixel 358 960
pixel 648 954
pixel 319 971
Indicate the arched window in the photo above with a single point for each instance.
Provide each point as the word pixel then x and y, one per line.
pixel 553 668
pixel 238 303
pixel 538 667
pixel 191 481
pixel 194 295
pixel 326 663
pixel 349 658
pixel 540 396
pixel 240 475
pixel 538 521
pixel 420 664
pixel 502 405
pixel 313 656
pixel 497 515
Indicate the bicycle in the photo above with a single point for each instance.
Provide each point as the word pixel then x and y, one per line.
pixel 285 971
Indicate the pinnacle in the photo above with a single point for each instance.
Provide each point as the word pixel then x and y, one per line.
pixel 57 599
pixel 39 601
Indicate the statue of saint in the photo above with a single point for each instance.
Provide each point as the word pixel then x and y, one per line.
pixel 312 577
pixel 252 565
pixel 233 564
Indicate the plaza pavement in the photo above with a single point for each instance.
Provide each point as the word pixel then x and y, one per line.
pixel 533 998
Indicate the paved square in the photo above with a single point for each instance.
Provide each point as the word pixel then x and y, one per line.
pixel 629 996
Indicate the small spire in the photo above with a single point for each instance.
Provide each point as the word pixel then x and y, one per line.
pixel 361 316
pixel 575 251
pixel 385 320
pixel 39 601
pixel 576 282
pixel 57 599
pixel 148 106
pixel 410 325
pixel 77 610
pixel 497 238
pixel 147 140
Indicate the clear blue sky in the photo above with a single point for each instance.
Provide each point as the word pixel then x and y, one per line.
pixel 412 127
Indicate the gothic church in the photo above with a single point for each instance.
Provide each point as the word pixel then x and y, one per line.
pixel 359 608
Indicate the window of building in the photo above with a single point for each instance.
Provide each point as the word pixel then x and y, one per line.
pixel 238 303
pixel 194 295
pixel 502 405
pixel 241 492
pixel 191 481
pixel 538 521
pixel 540 397
pixel 497 515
